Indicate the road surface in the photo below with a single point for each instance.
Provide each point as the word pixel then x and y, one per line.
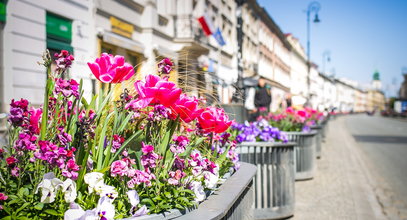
pixel 384 143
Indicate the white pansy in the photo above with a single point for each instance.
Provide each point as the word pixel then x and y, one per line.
pixel 198 189
pixel 211 180
pixel 106 190
pixel 69 189
pixel 49 187
pixel 133 197
pixel 94 179
pixel 105 208
pixel 75 213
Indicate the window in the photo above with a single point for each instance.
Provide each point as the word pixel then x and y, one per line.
pixel 59 35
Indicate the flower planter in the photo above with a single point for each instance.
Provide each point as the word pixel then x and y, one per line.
pixel 233 200
pixel 305 160
pixel 274 188
pixel 324 125
pixel 318 138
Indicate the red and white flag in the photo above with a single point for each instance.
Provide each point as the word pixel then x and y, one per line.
pixel 207 26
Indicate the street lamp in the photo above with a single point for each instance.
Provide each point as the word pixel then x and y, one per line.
pixel 326 57
pixel 313 7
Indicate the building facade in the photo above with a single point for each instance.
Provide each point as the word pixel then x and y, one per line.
pixel 298 71
pixel 31 27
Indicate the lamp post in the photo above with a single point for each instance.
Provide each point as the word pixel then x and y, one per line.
pixel 313 7
pixel 239 84
pixel 326 57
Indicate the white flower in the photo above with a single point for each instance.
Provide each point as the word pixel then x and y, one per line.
pixel 74 213
pixel 141 211
pixel 211 180
pixel 133 197
pixel 69 189
pixel 106 190
pixel 49 187
pixel 198 190
pixel 104 209
pixel 94 179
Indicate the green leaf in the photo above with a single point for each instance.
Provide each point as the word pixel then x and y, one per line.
pixel 23 207
pixel 148 201
pixel 124 124
pixel 51 212
pixel 102 136
pixel 39 206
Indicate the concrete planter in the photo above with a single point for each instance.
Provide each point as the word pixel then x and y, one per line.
pixel 305 159
pixel 324 130
pixel 233 200
pixel 274 188
pixel 318 137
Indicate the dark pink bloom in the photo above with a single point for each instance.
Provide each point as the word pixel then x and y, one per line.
pixel 26 141
pixel 35 117
pixel 146 148
pixel 187 108
pixel 64 60
pixel 155 90
pixel 165 66
pixel 67 87
pixel 214 120
pixel 11 161
pixel 109 69
pixel 3 197
pixel 119 168
pixel 302 113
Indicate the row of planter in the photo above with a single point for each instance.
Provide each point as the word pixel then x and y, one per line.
pixel 279 165
pixel 264 186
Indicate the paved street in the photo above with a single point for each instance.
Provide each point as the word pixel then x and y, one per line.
pixel 384 142
pixel 360 174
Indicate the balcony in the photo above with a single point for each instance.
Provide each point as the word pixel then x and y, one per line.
pixel 189 33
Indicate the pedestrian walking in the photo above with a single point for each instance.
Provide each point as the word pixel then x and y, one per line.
pixel 262 97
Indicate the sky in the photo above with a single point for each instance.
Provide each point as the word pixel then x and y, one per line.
pixel 361 36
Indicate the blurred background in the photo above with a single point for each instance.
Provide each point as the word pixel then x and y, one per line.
pixel 342 56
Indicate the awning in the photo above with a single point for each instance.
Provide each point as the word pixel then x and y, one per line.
pixel 123 42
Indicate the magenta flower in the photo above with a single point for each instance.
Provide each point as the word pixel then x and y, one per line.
pixel 25 142
pixel 214 120
pixel 109 69
pixel 119 168
pixel 156 91
pixel 18 112
pixel 165 66
pixel 63 60
pixel 187 108
pixel 67 88
pixel 3 197
pixel 35 117
pixel 11 161
pixel 146 148
pixel 71 170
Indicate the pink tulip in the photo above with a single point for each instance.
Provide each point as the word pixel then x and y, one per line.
pixel 109 69
pixel 214 120
pixel 35 116
pixel 155 91
pixel 186 107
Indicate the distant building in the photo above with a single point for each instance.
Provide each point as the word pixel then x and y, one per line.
pixel 403 88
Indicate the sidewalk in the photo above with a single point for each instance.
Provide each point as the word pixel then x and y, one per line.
pixel 341 188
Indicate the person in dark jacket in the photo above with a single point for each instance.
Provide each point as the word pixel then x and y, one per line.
pixel 262 98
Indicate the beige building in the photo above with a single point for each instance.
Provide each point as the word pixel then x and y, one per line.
pixel 375 100
pixel 274 57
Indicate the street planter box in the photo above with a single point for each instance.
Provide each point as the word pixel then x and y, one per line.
pixel 318 138
pixel 304 150
pixel 274 184
pixel 233 200
pixel 324 129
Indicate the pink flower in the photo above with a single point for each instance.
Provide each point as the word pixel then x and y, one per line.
pixel 11 161
pixel 302 113
pixel 155 90
pixel 35 117
pixel 290 110
pixel 119 167
pixel 165 66
pixel 64 60
pixel 214 120
pixel 109 69
pixel 67 87
pixel 175 177
pixel 146 148
pixel 3 197
pixel 186 107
